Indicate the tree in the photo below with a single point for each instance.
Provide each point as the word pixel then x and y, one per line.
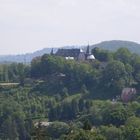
pixel 132 128
pixel 81 104
pixel 21 73
pixel 36 67
pixel 136 73
pixel 87 125
pixel 123 55
pixel 129 72
pixel 111 132
pixel 102 55
pixel 116 115
pixel 65 92
pixel 114 78
pixel 83 135
pixel 56 129
pixel 75 107
pixel 8 129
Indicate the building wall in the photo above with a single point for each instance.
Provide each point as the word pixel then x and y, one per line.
pixel 81 56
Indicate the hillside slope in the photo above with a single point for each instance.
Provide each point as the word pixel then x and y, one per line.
pixel 24 57
pixel 115 44
pixel 109 45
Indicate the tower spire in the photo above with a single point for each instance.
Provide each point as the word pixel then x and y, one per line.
pixel 88 52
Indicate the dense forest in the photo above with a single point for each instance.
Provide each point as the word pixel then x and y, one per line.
pixel 57 99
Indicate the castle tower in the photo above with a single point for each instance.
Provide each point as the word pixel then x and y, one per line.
pixel 87 51
pixel 89 56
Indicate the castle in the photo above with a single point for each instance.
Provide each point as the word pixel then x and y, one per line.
pixel 75 54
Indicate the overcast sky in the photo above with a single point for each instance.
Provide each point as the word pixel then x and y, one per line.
pixel 29 25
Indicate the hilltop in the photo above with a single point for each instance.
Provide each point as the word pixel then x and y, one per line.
pixel 109 45
pixel 113 45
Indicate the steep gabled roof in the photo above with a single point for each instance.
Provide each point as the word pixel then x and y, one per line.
pixel 68 52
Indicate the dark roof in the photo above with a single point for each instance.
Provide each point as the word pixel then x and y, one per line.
pixel 68 52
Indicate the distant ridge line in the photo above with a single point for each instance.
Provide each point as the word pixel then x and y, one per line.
pixel 111 45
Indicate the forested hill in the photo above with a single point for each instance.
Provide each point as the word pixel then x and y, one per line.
pixel 24 57
pixel 59 99
pixel 109 45
pixel 115 44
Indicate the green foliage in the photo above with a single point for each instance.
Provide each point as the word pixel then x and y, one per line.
pixel 103 78
pixel 123 55
pixel 116 115
pixel 114 78
pixel 18 109
pixel 84 135
pixel 15 72
pixel 66 91
pixel 132 128
pixel 56 129
pixel 111 132
pixel 102 55
pixel 87 125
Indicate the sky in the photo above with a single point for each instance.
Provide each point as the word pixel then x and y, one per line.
pixel 30 25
